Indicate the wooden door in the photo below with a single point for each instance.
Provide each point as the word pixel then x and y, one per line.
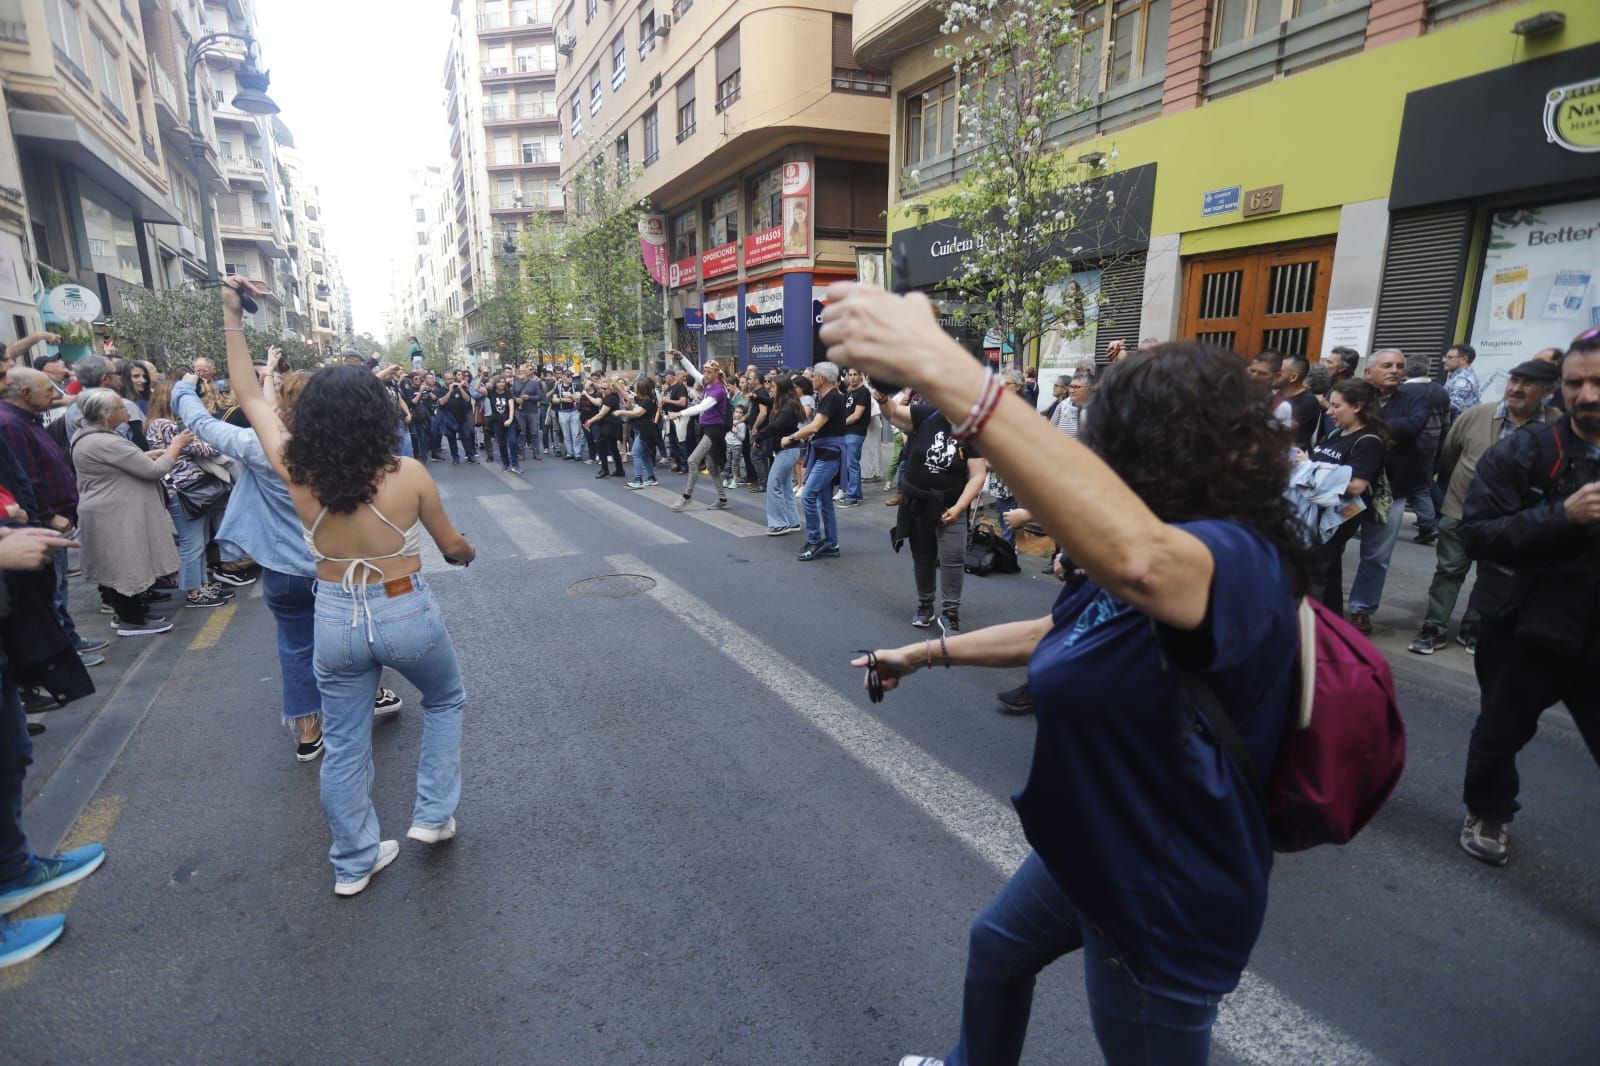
pixel 1273 298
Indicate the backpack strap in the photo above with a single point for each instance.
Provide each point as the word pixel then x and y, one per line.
pixel 1227 734
pixel 1308 663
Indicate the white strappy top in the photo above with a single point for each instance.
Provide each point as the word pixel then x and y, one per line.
pixel 364 567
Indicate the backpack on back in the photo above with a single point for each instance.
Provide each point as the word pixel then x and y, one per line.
pixel 1343 753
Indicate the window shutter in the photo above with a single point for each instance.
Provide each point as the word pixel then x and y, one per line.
pixel 1423 271
pixel 843 54
pixel 727 57
pixel 1121 303
pixel 686 91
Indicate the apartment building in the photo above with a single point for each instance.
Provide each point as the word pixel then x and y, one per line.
pixel 1300 174
pixel 767 176
pixel 505 141
pixel 423 288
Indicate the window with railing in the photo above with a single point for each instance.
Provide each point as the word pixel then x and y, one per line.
pixel 681 8
pixel 652 137
pixel 66 35
pixel 1253 41
pixel 589 9
pixel 847 76
pixel 686 108
pixel 728 70
pixel 595 95
pixel 647 27
pixel 682 231
pixel 619 60
pixel 110 72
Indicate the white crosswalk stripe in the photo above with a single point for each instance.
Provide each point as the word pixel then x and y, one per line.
pixel 534 537
pixel 1257 1024
pixel 726 521
pixel 619 517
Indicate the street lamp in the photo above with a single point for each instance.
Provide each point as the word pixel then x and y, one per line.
pixel 251 98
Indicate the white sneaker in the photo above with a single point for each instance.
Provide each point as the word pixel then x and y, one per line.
pixel 387 850
pixel 436 835
pixel 920 1060
pixel 838 494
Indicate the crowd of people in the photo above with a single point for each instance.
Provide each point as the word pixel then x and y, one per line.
pixel 1185 536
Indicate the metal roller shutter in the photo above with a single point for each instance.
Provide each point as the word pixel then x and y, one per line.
pixel 1121 303
pixel 1423 271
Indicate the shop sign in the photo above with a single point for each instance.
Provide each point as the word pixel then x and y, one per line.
pixel 1537 286
pixel 653 246
pixel 723 259
pixel 763 308
pixel 684 273
pixel 1347 328
pixel 692 319
pixel 1220 202
pixel 70 303
pixel 1264 201
pixel 1572 116
pixel 796 210
pixel 722 315
pixel 763 247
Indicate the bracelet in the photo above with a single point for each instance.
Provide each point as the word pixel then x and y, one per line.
pixel 944 649
pixel 982 408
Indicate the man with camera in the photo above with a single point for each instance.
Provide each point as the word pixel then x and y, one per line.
pixel 1532 520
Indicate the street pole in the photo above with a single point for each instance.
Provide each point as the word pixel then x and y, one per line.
pixel 197 148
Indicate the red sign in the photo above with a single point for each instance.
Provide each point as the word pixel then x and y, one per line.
pixel 653 246
pixel 683 273
pixel 763 247
pixel 723 259
pixel 796 179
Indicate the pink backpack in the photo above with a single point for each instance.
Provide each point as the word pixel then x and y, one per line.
pixel 1342 755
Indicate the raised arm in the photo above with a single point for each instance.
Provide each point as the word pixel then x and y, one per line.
pixel 236 443
pixel 898 414
pixel 242 373
pixel 17 349
pixel 452 545
pixel 1102 524
pixel 692 370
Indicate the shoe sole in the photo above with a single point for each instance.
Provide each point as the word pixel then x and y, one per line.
pixel 1428 649
pixel 384 712
pixel 424 835
pixel 203 606
pixel 922 625
pixel 355 888
pixel 48 887
pixel 156 632
pixel 1487 860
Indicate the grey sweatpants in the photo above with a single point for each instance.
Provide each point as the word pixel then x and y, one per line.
pixel 715 453
pixel 949 563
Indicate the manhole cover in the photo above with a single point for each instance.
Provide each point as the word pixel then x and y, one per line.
pixel 611 586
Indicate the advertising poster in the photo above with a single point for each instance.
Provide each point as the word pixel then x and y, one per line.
pixel 763 246
pixel 684 273
pixel 1537 288
pixel 796 210
pixel 723 259
pixel 1072 342
pixel 653 246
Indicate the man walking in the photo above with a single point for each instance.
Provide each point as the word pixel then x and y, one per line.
pixel 1532 520
pixel 1473 434
pixel 1407 413
pixel 530 399
pixel 857 416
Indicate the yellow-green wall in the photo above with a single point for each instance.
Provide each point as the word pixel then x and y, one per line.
pixel 1328 135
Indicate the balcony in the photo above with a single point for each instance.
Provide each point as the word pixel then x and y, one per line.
pixel 526 111
pixel 149 147
pixel 518 70
pixel 169 105
pixel 245 168
pixel 517 161
pixel 531 200
pixel 13 31
pixel 500 24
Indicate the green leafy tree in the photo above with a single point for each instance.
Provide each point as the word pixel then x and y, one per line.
pixel 300 353
pixel 550 296
pixel 172 327
pixel 502 316
pixel 604 254
pixel 1019 67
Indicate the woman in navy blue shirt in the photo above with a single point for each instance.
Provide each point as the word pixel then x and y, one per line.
pixel 1150 850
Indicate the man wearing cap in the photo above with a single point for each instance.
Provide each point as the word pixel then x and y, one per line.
pixel 1532 521
pixel 1472 434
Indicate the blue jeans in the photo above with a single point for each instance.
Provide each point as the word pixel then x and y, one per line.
pixel 816 499
pixel 1377 548
pixel 780 489
pixel 460 438
pixel 505 442
pixel 1003 504
pixel 292 599
pixel 67 627
pixel 193 535
pixel 16 755
pixel 852 466
pixel 1421 504
pixel 402 444
pixel 571 432
pixel 358 634
pixel 1031 924
pixel 644 459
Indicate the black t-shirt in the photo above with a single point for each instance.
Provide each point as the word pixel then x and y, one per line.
pixel 934 460
pixel 1307 415
pixel 645 424
pixel 610 427
pixel 424 402
pixel 1362 452
pixel 760 400
pixel 676 393
pixel 459 405
pixel 501 405
pixel 859 399
pixel 832 407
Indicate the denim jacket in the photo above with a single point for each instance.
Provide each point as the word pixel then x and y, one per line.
pixel 260 520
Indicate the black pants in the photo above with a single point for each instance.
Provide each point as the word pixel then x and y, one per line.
pixel 606 448
pixel 1518 680
pixel 1331 559
pixel 128 608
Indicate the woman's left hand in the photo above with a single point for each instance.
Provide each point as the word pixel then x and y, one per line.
pixel 232 286
pixel 950 515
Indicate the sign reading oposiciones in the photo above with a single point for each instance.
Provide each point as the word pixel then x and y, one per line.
pixel 1572 116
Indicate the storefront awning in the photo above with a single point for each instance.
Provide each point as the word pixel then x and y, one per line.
pixel 64 138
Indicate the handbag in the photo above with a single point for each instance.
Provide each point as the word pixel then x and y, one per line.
pixel 203 496
pixel 988 553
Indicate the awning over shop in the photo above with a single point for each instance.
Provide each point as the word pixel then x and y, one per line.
pixel 64 138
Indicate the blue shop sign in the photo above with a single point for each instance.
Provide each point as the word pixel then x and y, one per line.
pixel 692 320
pixel 1220 202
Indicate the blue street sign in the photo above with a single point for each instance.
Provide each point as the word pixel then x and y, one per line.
pixel 1220 202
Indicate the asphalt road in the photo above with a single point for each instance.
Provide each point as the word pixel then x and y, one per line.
pixel 687 837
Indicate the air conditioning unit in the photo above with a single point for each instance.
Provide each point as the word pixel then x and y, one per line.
pixel 663 25
pixel 565 43
pixel 655 84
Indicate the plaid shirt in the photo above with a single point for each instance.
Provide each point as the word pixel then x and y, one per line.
pixel 54 484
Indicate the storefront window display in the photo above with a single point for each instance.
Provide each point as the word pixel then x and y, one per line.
pixel 722 219
pixel 109 234
pixel 721 330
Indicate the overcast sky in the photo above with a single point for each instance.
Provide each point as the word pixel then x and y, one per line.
pixel 360 84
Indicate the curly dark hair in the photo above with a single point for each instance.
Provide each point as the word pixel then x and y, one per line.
pixel 342 433
pixel 1188 430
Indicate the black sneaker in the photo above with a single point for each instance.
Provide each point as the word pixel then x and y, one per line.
pixel 829 551
pixel 387 702
pixel 1486 841
pixel 1468 639
pixel 205 598
pixel 307 750
pixel 472 460
pixel 154 596
pixel 35 701
pixel 1016 701
pixel 148 628
pixel 924 616
pixel 1426 537
pixel 235 578
pixel 1430 638
pixel 809 552
pixel 950 620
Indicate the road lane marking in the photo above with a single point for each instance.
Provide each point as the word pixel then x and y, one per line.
pixel 726 521
pixel 619 517
pixel 533 536
pixel 510 479
pixel 212 631
pixel 92 826
pixel 1257 1023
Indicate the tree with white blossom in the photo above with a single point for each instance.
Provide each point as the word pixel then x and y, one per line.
pixel 1019 70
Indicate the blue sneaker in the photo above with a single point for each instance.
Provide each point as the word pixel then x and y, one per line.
pixel 48 874
pixel 21 941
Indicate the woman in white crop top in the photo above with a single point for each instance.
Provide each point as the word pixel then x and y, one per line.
pixel 363 511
